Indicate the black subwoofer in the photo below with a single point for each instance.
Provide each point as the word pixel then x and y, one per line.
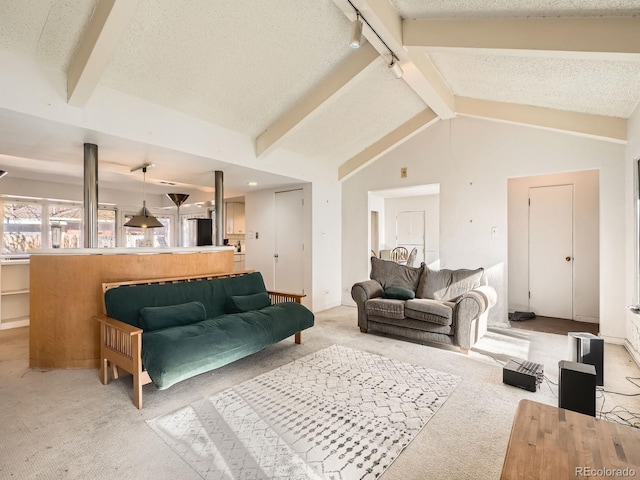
pixel 577 387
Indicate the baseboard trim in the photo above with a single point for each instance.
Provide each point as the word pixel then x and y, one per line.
pixel 614 340
pixel 632 351
pixel 322 308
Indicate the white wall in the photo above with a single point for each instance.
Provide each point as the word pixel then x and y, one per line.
pixel 472 159
pixel 586 275
pixel 321 233
pixel 632 269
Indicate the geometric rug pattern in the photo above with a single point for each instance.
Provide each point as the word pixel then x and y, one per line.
pixel 338 413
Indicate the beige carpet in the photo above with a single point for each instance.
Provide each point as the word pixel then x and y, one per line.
pixel 66 424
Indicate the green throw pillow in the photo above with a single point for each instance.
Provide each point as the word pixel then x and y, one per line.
pixel 246 303
pixel 399 293
pixel 157 318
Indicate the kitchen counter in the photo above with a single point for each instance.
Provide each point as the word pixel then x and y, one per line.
pixel 66 293
pixel 127 251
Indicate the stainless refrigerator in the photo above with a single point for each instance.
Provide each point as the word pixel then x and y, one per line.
pixel 199 232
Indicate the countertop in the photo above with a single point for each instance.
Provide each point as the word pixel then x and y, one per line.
pixel 127 251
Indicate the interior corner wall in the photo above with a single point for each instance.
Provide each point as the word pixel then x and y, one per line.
pixel 586 253
pixel 321 234
pixel 632 270
pixel 326 236
pixel 472 159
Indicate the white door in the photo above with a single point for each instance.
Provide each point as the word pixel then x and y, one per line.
pixel 410 232
pixel 289 245
pixel 551 251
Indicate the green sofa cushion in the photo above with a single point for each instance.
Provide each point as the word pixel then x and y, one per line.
pixel 246 303
pixel 398 293
pixel 157 318
pixel 175 354
pixel 124 303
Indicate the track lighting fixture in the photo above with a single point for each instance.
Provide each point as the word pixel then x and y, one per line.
pixel 395 67
pixel 356 32
pixel 356 40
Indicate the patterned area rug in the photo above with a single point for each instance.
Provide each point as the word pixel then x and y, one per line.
pixel 338 413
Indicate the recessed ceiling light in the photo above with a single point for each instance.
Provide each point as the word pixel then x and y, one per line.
pixel 252 184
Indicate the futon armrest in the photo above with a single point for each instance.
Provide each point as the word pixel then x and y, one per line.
pixel 118 325
pixel 281 297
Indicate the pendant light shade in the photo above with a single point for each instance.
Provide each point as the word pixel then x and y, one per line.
pixel 143 219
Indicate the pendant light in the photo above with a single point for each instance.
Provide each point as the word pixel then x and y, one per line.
pixel 144 219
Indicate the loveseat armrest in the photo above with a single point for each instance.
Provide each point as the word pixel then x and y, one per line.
pixel 361 292
pixel 471 315
pixel 366 290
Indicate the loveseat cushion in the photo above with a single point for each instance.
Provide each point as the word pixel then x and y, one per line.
pixel 157 318
pixel 246 303
pixel 399 293
pixel 447 284
pixel 389 274
pixel 385 307
pixel 432 311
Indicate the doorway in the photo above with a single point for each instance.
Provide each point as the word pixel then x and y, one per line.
pixel 529 269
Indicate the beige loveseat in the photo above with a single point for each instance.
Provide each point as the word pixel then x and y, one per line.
pixel 443 306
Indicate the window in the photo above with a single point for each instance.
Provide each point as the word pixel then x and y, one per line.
pixel 22 227
pixel 106 228
pixel 69 218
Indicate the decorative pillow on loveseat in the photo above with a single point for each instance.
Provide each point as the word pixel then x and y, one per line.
pixel 398 293
pixel 392 274
pixel 157 318
pixel 447 285
pixel 246 303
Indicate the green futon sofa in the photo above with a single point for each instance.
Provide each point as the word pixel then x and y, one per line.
pixel 167 331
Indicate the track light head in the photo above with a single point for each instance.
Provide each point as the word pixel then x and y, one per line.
pixel 396 69
pixel 356 32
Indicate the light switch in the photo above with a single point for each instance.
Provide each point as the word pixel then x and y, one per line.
pixel 494 231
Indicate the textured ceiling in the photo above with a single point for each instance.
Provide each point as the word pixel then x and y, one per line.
pixel 45 29
pixel 369 108
pixel 600 87
pixel 235 63
pixel 513 8
pixel 246 65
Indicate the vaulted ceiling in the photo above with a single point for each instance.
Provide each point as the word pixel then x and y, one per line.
pixel 274 79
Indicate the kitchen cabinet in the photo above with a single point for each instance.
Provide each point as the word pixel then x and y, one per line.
pixel 238 262
pixel 14 294
pixel 235 219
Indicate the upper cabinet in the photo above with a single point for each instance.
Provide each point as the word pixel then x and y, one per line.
pixel 235 219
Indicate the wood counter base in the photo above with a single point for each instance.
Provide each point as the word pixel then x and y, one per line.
pixel 66 293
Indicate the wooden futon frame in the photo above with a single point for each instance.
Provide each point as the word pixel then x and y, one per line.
pixel 121 343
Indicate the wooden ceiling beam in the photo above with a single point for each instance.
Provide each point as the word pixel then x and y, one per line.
pixel 608 128
pixel 358 62
pixel 109 19
pixel 588 35
pixel 391 140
